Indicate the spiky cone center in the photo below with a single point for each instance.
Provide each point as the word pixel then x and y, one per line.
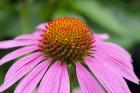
pixel 66 39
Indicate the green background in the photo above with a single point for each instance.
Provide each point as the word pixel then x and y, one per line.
pixel 119 18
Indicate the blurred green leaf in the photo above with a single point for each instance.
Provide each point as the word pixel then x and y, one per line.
pixel 99 14
pixel 62 12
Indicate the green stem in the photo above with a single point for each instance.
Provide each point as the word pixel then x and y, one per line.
pixel 71 73
pixel 70 88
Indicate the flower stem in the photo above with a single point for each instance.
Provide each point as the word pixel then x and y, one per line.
pixel 71 73
pixel 70 88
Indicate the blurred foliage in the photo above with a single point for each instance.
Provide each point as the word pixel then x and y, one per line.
pixel 119 18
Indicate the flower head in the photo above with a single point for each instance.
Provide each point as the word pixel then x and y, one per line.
pixel 46 54
pixel 71 37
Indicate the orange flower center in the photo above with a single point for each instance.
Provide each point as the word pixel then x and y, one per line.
pixel 66 38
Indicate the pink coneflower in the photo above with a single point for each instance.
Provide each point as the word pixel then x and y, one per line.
pixel 45 55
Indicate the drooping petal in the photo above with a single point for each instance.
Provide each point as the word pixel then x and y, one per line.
pixel 87 82
pixel 118 48
pixel 110 45
pixel 54 78
pixel 17 53
pixel 122 69
pixel 42 26
pixel 102 36
pixel 38 34
pixel 28 37
pixel 20 73
pixel 21 63
pixel 108 77
pixel 117 58
pixel 113 52
pixel 51 80
pixel 16 43
pixel 29 83
pixel 65 83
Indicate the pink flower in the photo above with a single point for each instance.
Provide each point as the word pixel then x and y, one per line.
pixel 46 54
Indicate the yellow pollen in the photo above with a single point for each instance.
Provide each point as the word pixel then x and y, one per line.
pixel 66 38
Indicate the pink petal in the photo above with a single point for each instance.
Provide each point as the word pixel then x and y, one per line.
pixel 28 37
pixel 104 36
pixel 87 82
pixel 54 78
pixel 38 34
pixel 108 77
pixel 117 58
pixel 42 26
pixel 16 43
pixel 122 69
pixel 20 63
pixel 65 83
pixel 29 83
pixel 114 52
pixel 101 43
pixel 118 48
pixel 17 53
pixel 20 73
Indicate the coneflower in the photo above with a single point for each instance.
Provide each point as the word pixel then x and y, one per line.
pixel 45 55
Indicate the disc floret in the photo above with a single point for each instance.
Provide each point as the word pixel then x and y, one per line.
pixel 66 38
